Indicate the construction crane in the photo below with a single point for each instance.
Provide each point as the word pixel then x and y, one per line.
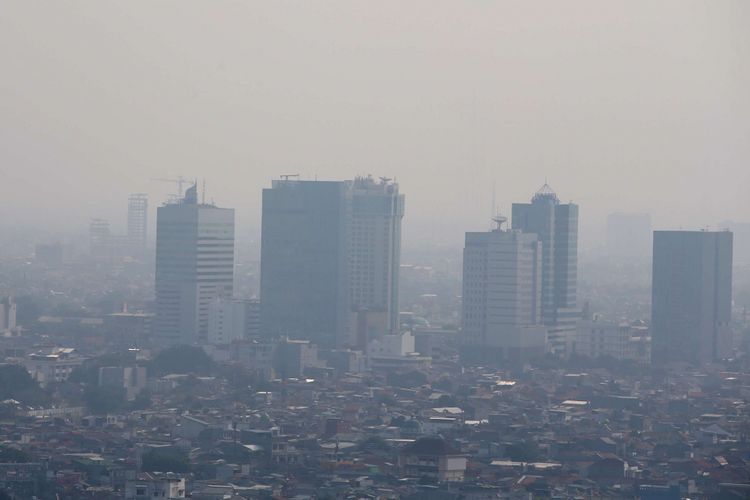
pixel 179 180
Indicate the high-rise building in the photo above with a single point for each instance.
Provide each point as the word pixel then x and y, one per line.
pixel 232 319
pixel 304 261
pixel 194 266
pixel 7 314
pixel 556 225
pixel 375 257
pixel 138 220
pixel 100 238
pixel 502 285
pixel 330 256
pixel 691 296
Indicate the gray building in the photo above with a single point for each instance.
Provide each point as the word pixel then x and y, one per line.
pixel 556 225
pixel 330 256
pixel 304 271
pixel 691 296
pixel 194 267
pixel 502 285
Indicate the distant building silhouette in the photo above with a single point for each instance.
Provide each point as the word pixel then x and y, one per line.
pixel 194 266
pixel 691 296
pixel 629 235
pixel 138 221
pixel 556 225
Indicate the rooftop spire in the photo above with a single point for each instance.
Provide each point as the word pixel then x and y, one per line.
pixel 545 193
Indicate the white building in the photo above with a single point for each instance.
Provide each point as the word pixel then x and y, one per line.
pixel 375 257
pixel 7 316
pixel 597 337
pixel 194 267
pixel 53 366
pixel 395 351
pixel 502 284
pixel 154 485
pixel 230 320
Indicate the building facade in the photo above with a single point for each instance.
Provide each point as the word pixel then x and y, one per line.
pixel 375 257
pixel 556 226
pixel 304 272
pixel 230 320
pixel 330 256
pixel 691 301
pixel 502 285
pixel 138 221
pixel 194 267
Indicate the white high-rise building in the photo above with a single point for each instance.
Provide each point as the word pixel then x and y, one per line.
pixel 375 257
pixel 138 220
pixel 230 320
pixel 556 226
pixel 502 295
pixel 194 267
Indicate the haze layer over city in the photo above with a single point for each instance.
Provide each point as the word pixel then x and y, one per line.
pixel 623 106
pixel 337 250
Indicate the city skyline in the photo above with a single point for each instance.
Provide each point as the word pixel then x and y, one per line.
pixel 615 123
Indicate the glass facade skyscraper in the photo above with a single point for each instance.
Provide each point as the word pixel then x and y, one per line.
pixel 556 225
pixel 330 256
pixel 691 302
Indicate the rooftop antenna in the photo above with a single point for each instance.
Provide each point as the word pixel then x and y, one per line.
pixel 499 220
pixel 494 203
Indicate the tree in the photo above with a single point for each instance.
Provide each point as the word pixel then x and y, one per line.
pixel 88 372
pixel 525 451
pixel 182 359
pixel 142 401
pixel 16 383
pixel 10 455
pixel 104 399
pixel 164 461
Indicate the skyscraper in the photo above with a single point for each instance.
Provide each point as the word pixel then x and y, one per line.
pixel 304 267
pixel 502 285
pixel 375 256
pixel 194 266
pixel 138 220
pixel 556 225
pixel 330 255
pixel 691 296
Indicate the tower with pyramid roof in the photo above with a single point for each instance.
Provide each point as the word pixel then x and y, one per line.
pixel 556 225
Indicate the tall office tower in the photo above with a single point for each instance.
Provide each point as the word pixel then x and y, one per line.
pixel 691 296
pixel 194 267
pixel 138 220
pixel 304 261
pixel 375 257
pixel 330 256
pixel 100 238
pixel 556 225
pixel 629 236
pixel 502 295
pixel 7 314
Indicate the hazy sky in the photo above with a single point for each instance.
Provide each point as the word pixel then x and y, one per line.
pixel 622 106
